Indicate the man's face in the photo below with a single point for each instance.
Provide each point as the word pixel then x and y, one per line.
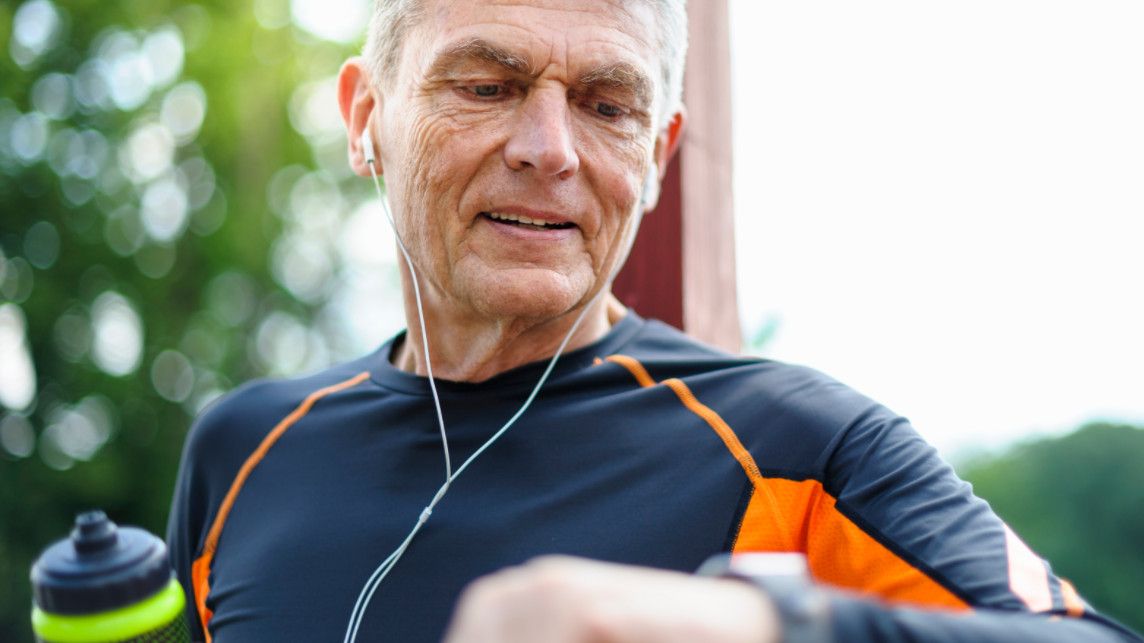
pixel 515 138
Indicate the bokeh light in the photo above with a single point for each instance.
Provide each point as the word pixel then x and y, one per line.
pixel 303 265
pixel 16 280
pixel 147 153
pixel 163 50
pixel 128 74
pixel 183 110
pixel 172 376
pixel 117 332
pixel 52 96
pixel 314 111
pixel 272 14
pixel 155 260
pixel 78 432
pixel 123 231
pixel 337 20
pixel 231 297
pixel 17 436
pixel 91 89
pixel 42 245
pixel 198 179
pixel 35 29
pixel 17 373
pixel 280 343
pixel 72 334
pixel 205 341
pixel 164 209
pixel 28 136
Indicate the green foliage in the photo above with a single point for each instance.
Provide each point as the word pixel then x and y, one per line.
pixel 151 164
pixel 1078 501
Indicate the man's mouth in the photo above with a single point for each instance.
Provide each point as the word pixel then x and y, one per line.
pixel 526 222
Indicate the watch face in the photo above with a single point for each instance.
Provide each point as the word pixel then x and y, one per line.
pixel 769 565
pixel 757 565
pixel 785 578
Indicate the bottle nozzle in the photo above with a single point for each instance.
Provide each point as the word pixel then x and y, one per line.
pixel 93 533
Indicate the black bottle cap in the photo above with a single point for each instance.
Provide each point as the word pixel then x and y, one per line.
pixel 100 567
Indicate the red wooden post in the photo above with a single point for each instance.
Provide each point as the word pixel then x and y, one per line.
pixel 682 267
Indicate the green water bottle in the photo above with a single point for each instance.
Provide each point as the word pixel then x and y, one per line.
pixel 107 584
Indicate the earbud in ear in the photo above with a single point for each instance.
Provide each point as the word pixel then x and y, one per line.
pixel 367 147
pixel 650 187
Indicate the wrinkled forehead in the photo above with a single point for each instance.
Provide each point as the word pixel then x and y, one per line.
pixel 562 36
pixel 631 15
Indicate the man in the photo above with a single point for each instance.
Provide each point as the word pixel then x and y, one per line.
pixel 520 143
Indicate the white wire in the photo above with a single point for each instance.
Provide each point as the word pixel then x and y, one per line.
pixel 379 574
pixel 383 569
pixel 359 607
pixel 420 318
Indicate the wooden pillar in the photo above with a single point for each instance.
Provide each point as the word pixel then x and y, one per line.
pixel 682 267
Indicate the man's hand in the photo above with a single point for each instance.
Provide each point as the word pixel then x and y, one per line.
pixel 568 600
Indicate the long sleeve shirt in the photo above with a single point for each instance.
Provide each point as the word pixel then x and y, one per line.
pixel 645 448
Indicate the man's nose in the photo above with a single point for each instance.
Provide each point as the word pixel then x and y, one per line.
pixel 542 137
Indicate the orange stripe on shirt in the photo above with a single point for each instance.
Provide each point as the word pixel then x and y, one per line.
pixel 201 586
pixel 1074 606
pixel 744 457
pixel 635 368
pixel 799 516
pixel 741 454
pixel 201 568
pixel 1028 577
pixel 721 428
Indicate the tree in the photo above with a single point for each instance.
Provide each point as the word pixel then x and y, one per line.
pixel 175 197
pixel 1078 501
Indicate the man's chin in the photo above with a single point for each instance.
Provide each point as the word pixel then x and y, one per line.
pixel 538 297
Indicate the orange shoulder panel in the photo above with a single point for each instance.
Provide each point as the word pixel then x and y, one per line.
pixel 799 516
pixel 839 552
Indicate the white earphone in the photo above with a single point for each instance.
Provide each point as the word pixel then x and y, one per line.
pixel 382 570
pixel 367 147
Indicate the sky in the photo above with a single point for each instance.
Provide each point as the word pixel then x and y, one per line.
pixel 942 205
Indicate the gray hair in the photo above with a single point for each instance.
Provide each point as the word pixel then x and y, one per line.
pixel 392 20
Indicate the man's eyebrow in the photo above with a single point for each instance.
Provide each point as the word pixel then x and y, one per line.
pixel 621 75
pixel 478 50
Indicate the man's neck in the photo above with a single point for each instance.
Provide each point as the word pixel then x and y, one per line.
pixel 478 351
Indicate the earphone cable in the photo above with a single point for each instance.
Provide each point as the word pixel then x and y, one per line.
pixel 375 579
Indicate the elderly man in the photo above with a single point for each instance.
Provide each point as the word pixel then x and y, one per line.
pixel 520 143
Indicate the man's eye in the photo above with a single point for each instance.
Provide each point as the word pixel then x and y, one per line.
pixel 487 91
pixel 609 110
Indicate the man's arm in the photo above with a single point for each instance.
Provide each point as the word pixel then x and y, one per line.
pixel 184 523
pixel 884 479
pixel 214 450
pixel 911 554
pixel 568 600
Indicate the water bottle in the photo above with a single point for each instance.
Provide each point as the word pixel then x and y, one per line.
pixel 107 584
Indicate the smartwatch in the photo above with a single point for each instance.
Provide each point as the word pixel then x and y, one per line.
pixel 802 606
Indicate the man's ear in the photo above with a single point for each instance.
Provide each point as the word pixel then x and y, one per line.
pixel 666 145
pixel 357 101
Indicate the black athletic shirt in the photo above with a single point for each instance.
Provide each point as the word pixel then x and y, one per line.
pixel 644 448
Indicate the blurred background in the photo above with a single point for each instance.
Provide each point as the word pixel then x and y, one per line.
pixel 941 207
